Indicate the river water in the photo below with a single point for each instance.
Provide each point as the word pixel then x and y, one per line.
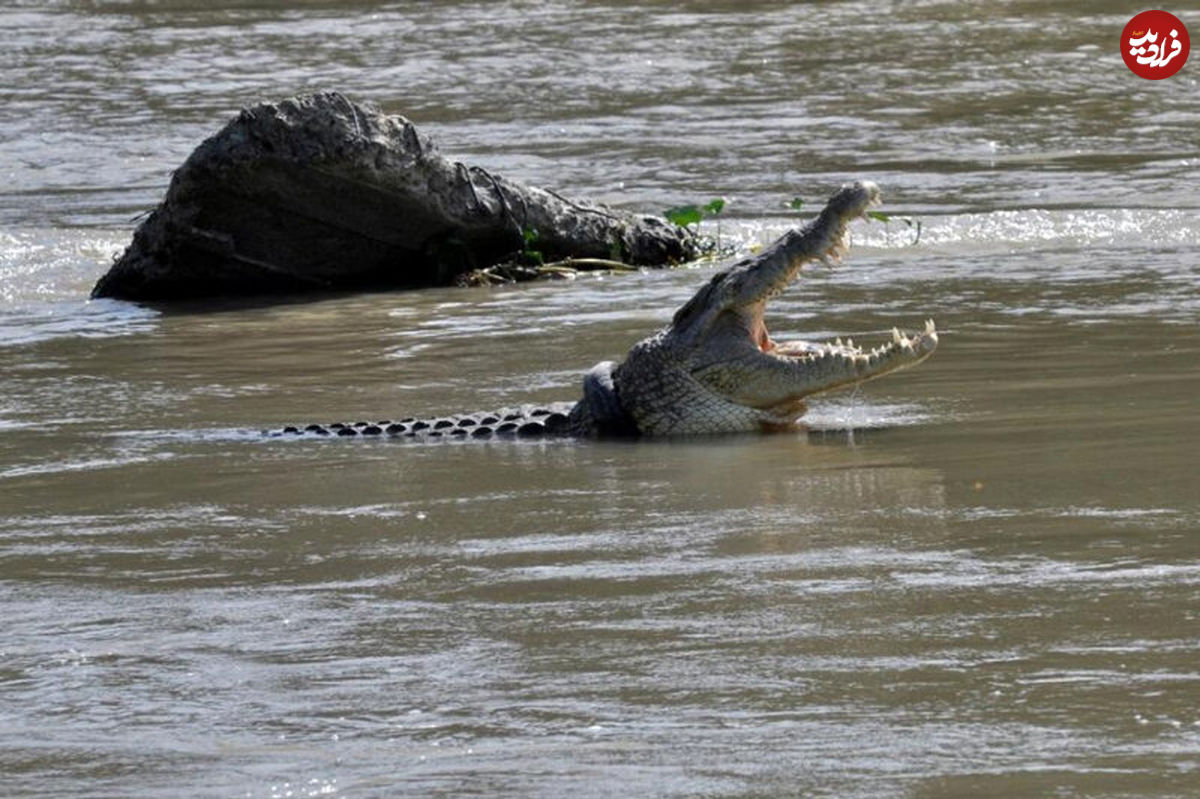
pixel 979 577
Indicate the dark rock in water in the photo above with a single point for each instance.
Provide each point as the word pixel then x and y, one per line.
pixel 319 193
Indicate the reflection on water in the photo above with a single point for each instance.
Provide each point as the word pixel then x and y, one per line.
pixel 978 576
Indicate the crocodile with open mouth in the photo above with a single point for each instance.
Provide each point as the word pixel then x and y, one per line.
pixel 713 369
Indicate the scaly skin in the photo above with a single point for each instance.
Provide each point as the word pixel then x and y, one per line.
pixel 714 368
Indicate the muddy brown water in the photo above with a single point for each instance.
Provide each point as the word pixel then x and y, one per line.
pixel 979 577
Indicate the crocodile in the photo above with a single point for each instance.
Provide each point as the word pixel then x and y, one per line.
pixel 713 369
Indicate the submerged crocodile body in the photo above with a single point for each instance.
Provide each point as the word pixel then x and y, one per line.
pixel 713 369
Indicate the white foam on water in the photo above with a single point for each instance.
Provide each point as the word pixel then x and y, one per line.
pixel 45 279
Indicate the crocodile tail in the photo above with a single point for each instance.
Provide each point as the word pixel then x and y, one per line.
pixel 524 422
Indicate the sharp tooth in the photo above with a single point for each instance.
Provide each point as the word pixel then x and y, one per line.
pixel 850 343
pixel 896 337
pixel 929 326
pixel 839 341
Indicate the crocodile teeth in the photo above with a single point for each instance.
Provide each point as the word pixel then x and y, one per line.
pixel 930 327
pixel 850 343
pixel 896 337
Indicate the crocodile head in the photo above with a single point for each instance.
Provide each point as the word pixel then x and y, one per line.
pixel 715 368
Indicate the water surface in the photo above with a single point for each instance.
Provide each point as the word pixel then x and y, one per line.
pixel 977 577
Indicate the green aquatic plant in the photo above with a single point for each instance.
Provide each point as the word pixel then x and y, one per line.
pixel 687 215
pixel 915 224
pixel 529 254
pixel 684 215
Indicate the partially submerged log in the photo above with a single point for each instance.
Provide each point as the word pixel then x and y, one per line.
pixel 320 193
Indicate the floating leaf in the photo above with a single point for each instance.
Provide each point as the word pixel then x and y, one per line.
pixel 878 216
pixel 684 215
pixel 530 234
pixel 796 204
pixel 715 206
